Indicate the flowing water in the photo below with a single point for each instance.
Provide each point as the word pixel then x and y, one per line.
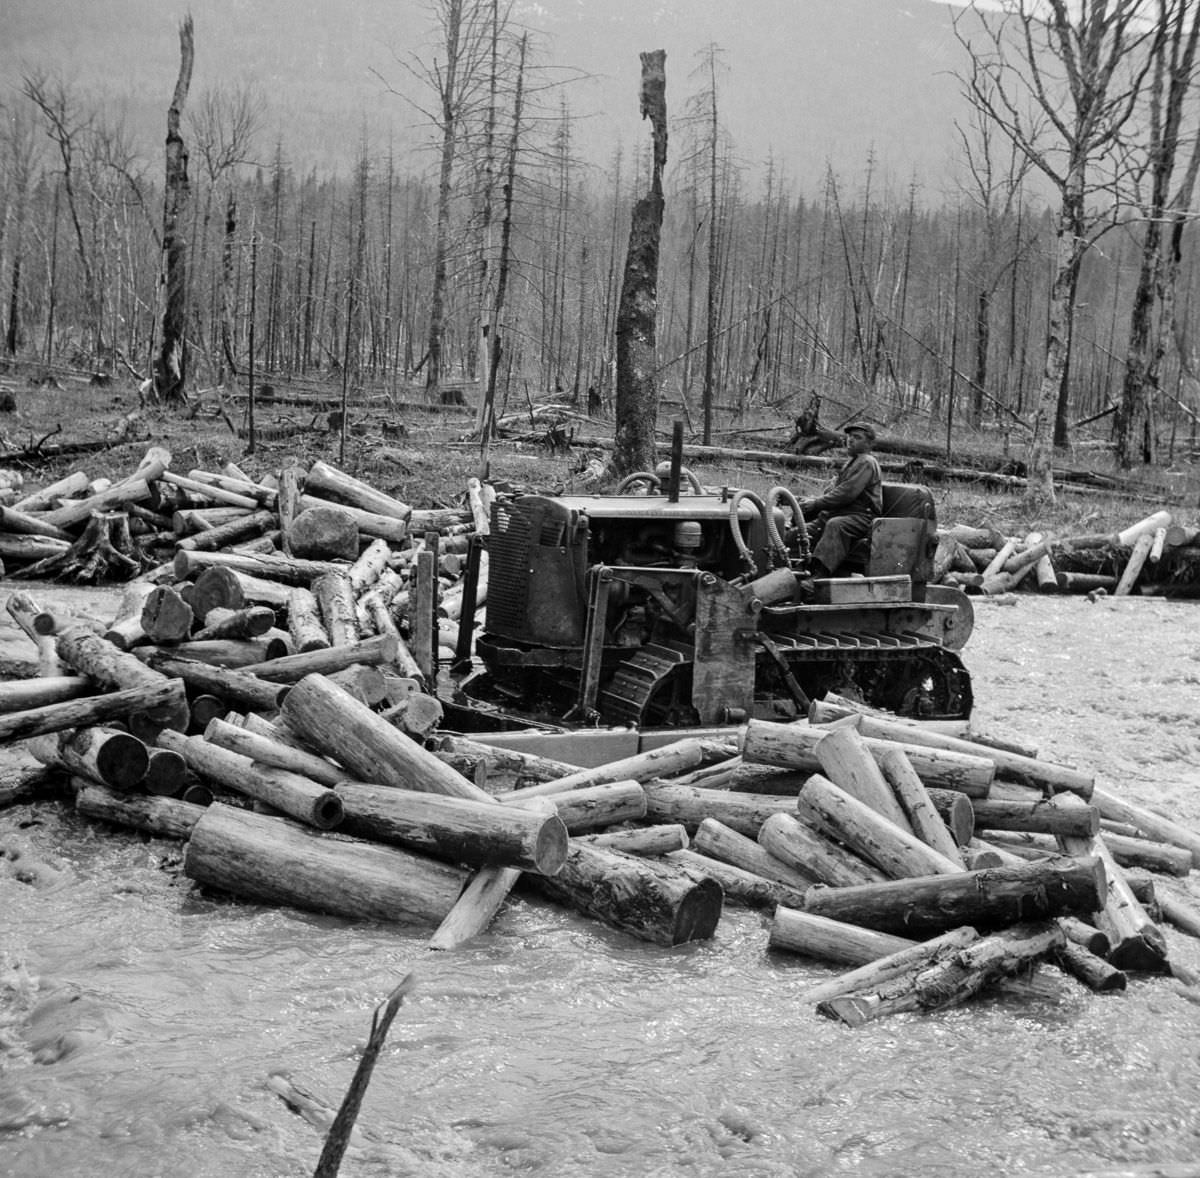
pixel 144 1026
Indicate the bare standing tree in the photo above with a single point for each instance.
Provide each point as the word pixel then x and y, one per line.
pixel 20 155
pixel 1061 79
pixel 170 367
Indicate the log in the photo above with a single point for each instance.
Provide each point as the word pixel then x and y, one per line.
pixel 18 548
pixel 737 883
pixel 166 775
pixel 664 905
pixel 875 970
pixel 1153 825
pixel 595 807
pixel 238 484
pixel 1147 526
pixel 23 610
pixel 251 621
pixel 289 570
pixel 234 653
pixel 1082 933
pixel 898 853
pixel 368 523
pixel 455 828
pixel 286 792
pixel 275 861
pixel 304 622
pixel 371 749
pixel 107 756
pixel 422 634
pixel 334 594
pixel 1013 766
pixel 293 667
pixel 690 805
pixel 233 531
pixel 718 841
pixel 830 940
pixel 369 566
pixel 1050 816
pixel 1133 566
pixel 93 709
pixel 988 898
pixel 76 510
pixel 847 762
pixel 270 751
pixel 161 816
pixel 1179 914
pixel 1085 966
pixel 1084 582
pixel 238 688
pixel 15 522
pixel 660 762
pixel 48 497
pixel 327 480
pixel 481 899
pixel 643 840
pixel 812 854
pixel 1135 941
pixel 210 493
pixel 166 617
pixel 951 980
pixel 791 746
pixel 21 694
pixel 507 769
pixel 126 630
pixel 944 834
pixel 192 520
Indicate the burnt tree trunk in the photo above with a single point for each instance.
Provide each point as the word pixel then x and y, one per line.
pixel 637 390
pixel 170 370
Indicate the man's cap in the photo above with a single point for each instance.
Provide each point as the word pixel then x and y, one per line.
pixel 860 427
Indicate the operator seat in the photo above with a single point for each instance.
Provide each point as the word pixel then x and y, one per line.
pixel 903 538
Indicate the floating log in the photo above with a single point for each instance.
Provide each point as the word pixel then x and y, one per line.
pixel 945 834
pixel 812 854
pixel 1026 770
pixel 283 790
pixel 93 709
pixel 690 805
pixel 898 853
pixel 662 904
pixel 950 980
pixel 276 861
pixel 718 841
pixel 1093 971
pixel 455 828
pixel 830 940
pixel 791 746
pixel 875 970
pixel 738 884
pixel 849 764
pixel 162 816
pixel 481 899
pixel 370 748
pixel 988 898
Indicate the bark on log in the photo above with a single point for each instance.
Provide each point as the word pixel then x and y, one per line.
pixel 643 840
pixel 1045 817
pixel 77 510
pixel 953 979
pixel 849 764
pixel 327 480
pixel 93 709
pixel 337 724
pixel 214 588
pixel 481 833
pixel 335 599
pixel 251 621
pixel 924 818
pixel 1152 825
pixel 274 861
pixel 481 899
pixel 236 687
pixel 737 883
pixel 270 751
pixel 126 628
pixel 19 523
pixel 48 497
pixel 664 905
pixel 166 617
pixel 23 609
pixel 899 853
pixel 989 898
pixel 285 791
pixel 369 566
pixel 161 816
pixel 107 756
pixel 595 807
pixel 791 746
pixel 830 940
pixel 508 770
pixel 690 805
pixel 288 570
pixel 293 667
pixel 808 851
pixel 1093 971
pixel 304 622
pixel 233 653
pixel 718 841
pixel 1135 563
pixel 368 523
pixel 234 531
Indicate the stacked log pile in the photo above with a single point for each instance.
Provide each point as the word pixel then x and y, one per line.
pixel 1151 557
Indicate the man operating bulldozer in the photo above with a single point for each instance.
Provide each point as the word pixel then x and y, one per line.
pixel 844 513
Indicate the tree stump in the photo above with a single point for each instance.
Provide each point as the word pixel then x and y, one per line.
pixel 103 551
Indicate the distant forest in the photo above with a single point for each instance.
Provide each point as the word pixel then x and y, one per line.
pixel 504 260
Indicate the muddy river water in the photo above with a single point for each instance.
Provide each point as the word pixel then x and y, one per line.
pixel 141 1022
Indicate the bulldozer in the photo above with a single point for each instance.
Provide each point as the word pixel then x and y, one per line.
pixel 668 605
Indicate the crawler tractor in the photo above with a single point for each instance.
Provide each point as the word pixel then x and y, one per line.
pixel 670 610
